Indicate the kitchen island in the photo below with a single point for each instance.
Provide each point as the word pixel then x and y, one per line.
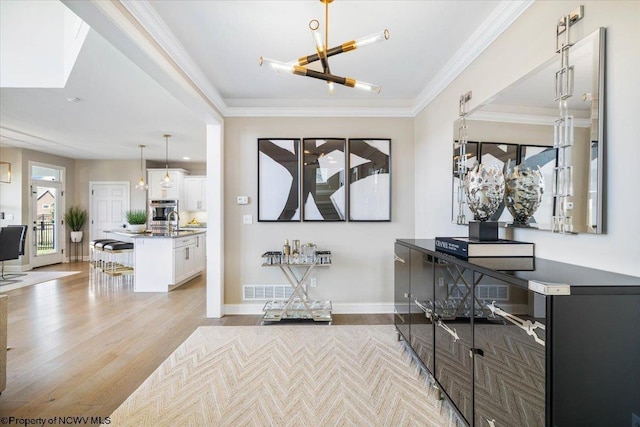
pixel 164 261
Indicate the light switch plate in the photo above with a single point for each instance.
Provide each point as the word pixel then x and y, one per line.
pixel 242 200
pixel 247 219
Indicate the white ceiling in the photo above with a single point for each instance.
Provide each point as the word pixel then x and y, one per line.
pixel 217 44
pixel 232 35
pixel 120 107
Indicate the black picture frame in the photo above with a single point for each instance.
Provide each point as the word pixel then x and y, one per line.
pixel 279 180
pixel 369 162
pixel 323 179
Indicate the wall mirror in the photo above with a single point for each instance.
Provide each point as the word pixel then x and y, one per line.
pixel 517 125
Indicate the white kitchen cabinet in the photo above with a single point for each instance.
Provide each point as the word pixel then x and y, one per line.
pixel 195 193
pixel 200 252
pixel 154 177
pixel 184 258
pixel 163 263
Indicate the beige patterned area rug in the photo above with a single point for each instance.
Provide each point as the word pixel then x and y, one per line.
pixel 286 375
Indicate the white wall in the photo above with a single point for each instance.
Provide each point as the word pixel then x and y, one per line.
pixel 108 170
pixel 11 192
pixel 362 270
pixel 526 44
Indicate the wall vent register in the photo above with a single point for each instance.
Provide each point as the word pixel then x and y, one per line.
pixel 266 292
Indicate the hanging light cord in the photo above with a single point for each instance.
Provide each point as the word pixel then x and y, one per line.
pixel 166 153
pixel 141 147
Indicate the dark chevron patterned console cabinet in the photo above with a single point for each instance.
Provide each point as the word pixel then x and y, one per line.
pixel 557 346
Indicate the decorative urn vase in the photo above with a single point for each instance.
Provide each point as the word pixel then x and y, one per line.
pixel 523 193
pixel 485 190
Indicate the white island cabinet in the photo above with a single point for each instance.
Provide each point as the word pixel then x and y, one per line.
pixel 165 262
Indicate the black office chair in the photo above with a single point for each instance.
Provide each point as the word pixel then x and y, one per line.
pixel 12 245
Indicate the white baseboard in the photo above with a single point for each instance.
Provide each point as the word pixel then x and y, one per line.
pixel 73 259
pixel 338 308
pixel 352 308
pixel 233 309
pixel 363 308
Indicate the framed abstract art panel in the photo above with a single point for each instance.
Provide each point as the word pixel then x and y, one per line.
pixel 369 179
pixel 278 179
pixel 323 179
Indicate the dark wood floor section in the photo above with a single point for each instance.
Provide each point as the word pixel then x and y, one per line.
pixel 79 348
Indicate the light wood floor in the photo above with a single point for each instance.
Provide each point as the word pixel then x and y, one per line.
pixel 78 348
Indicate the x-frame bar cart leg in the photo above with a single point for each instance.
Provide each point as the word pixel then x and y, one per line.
pixel 298 306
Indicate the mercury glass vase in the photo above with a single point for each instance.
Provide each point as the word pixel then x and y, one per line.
pixel 523 193
pixel 485 190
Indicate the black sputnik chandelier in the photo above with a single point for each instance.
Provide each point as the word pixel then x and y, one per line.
pixel 322 54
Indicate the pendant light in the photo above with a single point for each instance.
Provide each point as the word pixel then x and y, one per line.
pixel 142 185
pixel 166 182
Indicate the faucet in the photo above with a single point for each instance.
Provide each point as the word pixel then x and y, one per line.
pixel 177 230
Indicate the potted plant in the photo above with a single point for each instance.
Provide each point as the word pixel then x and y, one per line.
pixel 137 220
pixel 75 217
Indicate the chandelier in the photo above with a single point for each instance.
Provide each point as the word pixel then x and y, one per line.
pixel 323 53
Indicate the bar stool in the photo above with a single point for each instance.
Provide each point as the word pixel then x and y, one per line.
pixel 118 259
pixel 95 251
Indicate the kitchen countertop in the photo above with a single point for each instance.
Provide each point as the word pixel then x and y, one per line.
pixel 149 234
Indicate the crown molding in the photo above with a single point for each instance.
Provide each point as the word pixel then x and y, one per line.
pixel 129 26
pixel 499 20
pixel 148 18
pixel 13 138
pixel 318 112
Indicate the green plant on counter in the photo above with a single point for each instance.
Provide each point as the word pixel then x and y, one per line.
pixel 75 217
pixel 136 217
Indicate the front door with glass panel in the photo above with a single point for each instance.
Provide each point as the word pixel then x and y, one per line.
pixel 46 212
